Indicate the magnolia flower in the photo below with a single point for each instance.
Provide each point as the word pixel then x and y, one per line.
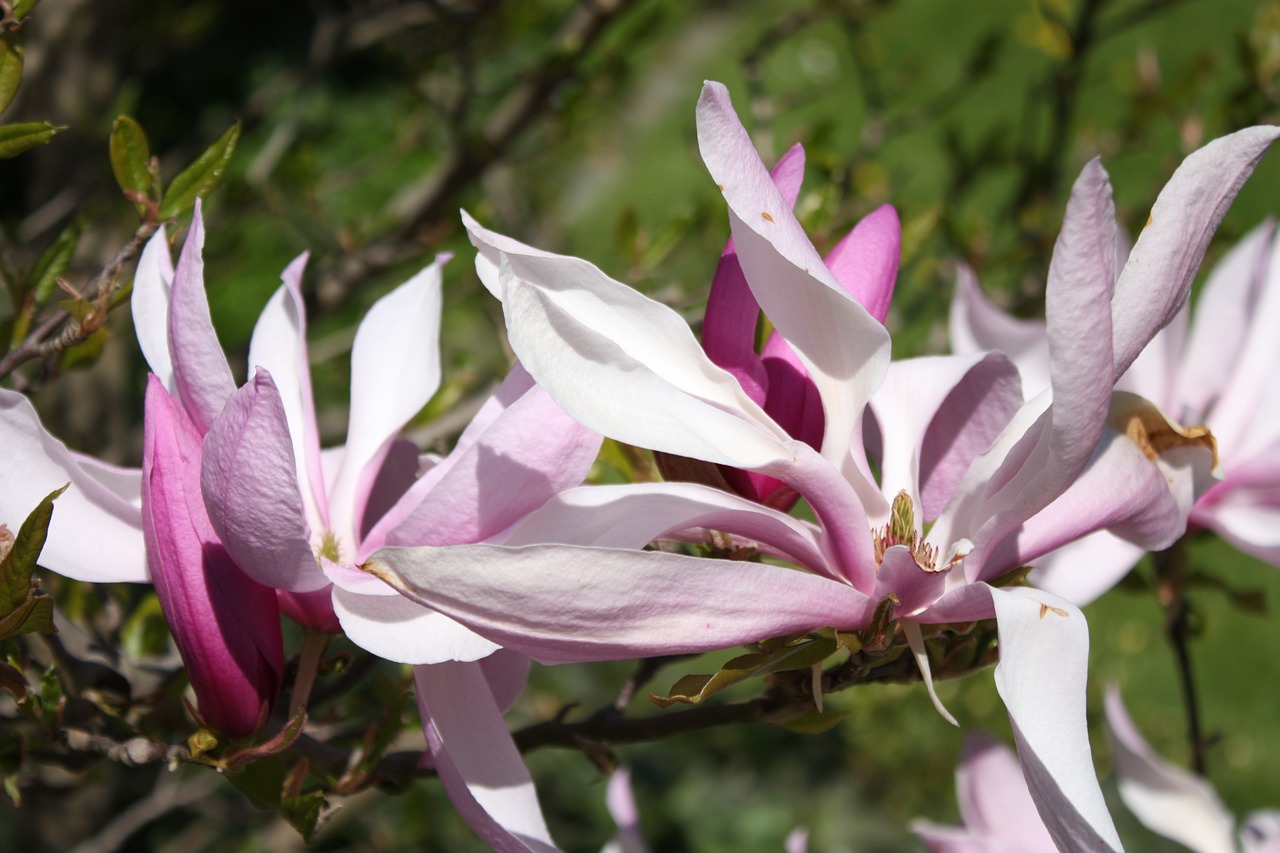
pixel 998 482
pixel 998 813
pixel 622 808
pixel 1213 371
pixel 118 524
pixel 995 806
pixel 298 519
pixel 1177 804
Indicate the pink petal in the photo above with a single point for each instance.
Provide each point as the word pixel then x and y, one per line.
pixel 730 320
pixel 866 261
pixel 531 452
pixel 507 673
pixel 149 305
pixel 251 490
pixel 1082 570
pixel 279 346
pixel 312 610
pixel 559 604
pixel 200 369
pixel 472 750
pixel 1167 799
pixel 395 370
pixel 1044 655
pixel 631 516
pixel 1156 280
pixel 226 626
pixel 978 325
pixel 96 532
pixel 622 808
pixel 993 796
pixel 845 350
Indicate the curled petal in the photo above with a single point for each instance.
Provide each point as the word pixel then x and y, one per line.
pixel 1044 654
pixel 866 261
pixel 149 305
pixel 477 761
pixel 1155 282
pixel 251 489
pixel 200 370
pixel 226 626
pixel 977 325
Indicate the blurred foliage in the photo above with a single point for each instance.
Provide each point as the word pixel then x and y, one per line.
pixel 365 124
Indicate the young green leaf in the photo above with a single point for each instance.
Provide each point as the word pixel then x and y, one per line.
pixel 22 7
pixel 35 615
pixel 693 689
pixel 201 177
pixel 305 813
pixel 130 160
pixel 55 260
pixel 16 138
pixel 10 69
pixel 16 568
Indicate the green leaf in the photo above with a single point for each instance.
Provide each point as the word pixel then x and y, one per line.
pixel 33 616
pixel 50 692
pixel 22 7
pixel 304 813
pixel 11 679
pixel 20 562
pixel 202 742
pixel 10 69
pixel 16 138
pixel 693 689
pixel 201 177
pixel 131 159
pixel 55 260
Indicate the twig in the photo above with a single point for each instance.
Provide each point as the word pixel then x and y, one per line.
pixel 313 646
pixel 169 794
pixel 1171 575
pixel 39 344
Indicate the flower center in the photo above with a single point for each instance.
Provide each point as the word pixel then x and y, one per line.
pixel 901 530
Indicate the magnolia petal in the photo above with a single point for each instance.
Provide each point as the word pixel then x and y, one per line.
pixel 1155 282
pixel 562 604
pixel 730 320
pixel 251 489
pixel 396 629
pixel 532 451
pixel 1082 570
pixel 622 808
pixel 395 370
pixel 631 516
pixel 507 673
pixel 1260 832
pixel 1167 799
pixel 900 575
pixel 993 796
pixel 1247 519
pixel 279 346
pixel 96 532
pixel 844 348
pixel 1250 395
pixel 978 325
pixel 579 334
pixel 312 610
pixel 1225 307
pixel 935 415
pixel 149 305
pixel 866 261
pixel 226 626
pixel 478 763
pixel 200 369
pixel 1044 653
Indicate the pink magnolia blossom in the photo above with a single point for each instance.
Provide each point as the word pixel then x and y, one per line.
pixel 997 481
pixel 1213 370
pixel 998 813
pixel 118 524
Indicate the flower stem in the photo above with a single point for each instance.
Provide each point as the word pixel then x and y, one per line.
pixel 313 646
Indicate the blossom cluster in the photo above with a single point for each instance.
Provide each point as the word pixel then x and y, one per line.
pixel 1072 445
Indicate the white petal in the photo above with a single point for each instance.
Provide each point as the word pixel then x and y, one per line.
pixel 149 305
pixel 397 629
